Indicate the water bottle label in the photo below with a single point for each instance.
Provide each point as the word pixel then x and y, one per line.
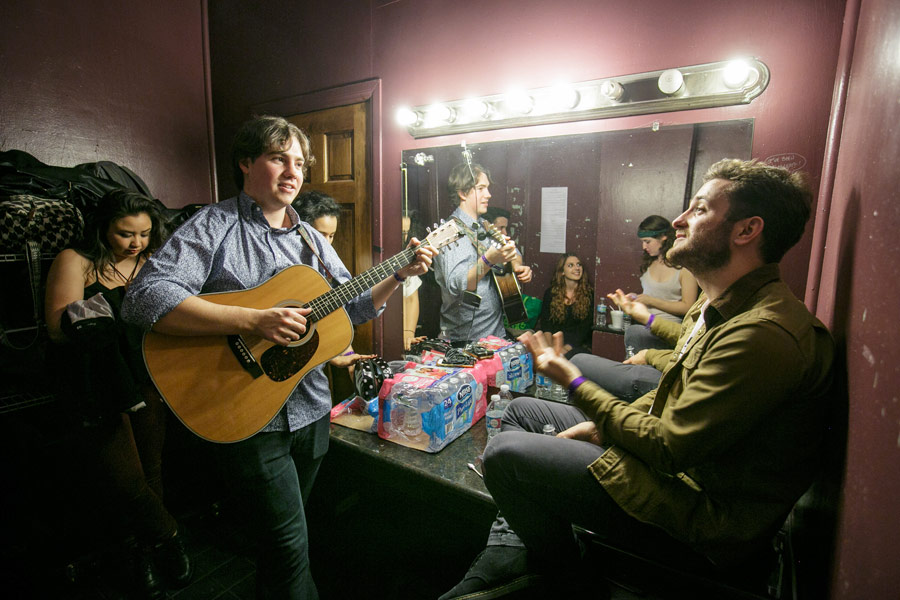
pixel 464 404
pixel 493 422
pixel 515 369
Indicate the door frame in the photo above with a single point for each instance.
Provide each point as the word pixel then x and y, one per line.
pixel 368 91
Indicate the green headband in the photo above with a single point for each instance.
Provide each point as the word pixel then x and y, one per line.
pixel 642 233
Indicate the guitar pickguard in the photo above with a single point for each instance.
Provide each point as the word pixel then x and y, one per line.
pixel 283 362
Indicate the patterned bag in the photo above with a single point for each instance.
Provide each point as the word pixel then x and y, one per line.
pixel 53 224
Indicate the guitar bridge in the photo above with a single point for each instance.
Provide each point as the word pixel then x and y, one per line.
pixel 244 355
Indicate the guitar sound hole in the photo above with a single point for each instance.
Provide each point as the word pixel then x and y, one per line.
pixel 280 363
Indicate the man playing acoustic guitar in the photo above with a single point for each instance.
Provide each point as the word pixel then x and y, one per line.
pixel 471 307
pixel 238 244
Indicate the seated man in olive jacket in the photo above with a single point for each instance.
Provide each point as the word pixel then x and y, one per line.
pixel 703 469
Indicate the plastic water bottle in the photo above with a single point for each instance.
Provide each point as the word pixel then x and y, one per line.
pixel 542 386
pixel 500 379
pixel 494 416
pixel 406 420
pixel 505 396
pixel 527 362
pixel 629 351
pixel 549 429
pixel 559 393
pixel 600 317
pixel 626 321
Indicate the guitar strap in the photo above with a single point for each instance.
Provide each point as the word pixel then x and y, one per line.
pixel 472 237
pixel 305 235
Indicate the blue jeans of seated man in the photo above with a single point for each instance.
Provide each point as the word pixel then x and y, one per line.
pixel 542 486
pixel 270 476
pixel 628 382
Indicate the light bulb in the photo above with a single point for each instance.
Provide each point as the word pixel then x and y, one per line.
pixel 735 73
pixel 564 97
pixel 406 116
pixel 612 90
pixel 475 110
pixel 670 81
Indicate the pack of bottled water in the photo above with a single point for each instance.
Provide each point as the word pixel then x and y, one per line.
pixel 429 415
pixel 517 370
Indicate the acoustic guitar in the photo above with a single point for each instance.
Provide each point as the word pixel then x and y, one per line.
pixel 225 388
pixel 506 282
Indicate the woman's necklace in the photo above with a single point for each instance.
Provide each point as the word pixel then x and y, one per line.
pixel 127 280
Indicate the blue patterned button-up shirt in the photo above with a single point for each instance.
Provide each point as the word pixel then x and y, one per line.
pixel 230 246
pixel 458 320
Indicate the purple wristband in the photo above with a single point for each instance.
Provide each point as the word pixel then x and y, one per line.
pixel 398 278
pixel 490 266
pixel 347 353
pixel 576 382
pixel 650 321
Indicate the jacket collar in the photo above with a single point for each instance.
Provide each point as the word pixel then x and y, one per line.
pixel 732 301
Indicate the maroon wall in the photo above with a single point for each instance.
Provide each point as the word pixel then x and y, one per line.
pixel 858 299
pixel 121 81
pixel 432 49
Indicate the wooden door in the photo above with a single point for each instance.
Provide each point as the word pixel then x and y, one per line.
pixel 339 138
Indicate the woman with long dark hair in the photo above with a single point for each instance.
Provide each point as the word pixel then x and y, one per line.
pixel 105 375
pixel 568 304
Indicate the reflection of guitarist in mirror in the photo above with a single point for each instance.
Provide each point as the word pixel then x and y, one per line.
pixel 236 249
pixel 471 306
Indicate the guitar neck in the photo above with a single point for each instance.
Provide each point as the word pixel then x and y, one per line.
pixel 332 300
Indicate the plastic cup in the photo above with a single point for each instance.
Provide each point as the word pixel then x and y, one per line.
pixel 618 319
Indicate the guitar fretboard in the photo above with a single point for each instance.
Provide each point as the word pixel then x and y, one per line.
pixel 332 300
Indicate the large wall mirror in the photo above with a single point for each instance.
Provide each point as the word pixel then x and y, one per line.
pixel 581 193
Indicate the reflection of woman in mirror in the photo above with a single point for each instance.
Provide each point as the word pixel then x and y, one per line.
pixel 668 291
pixel 568 304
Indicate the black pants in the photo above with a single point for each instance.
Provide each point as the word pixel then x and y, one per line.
pixel 271 475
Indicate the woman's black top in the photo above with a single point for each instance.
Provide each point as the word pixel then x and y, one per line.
pixel 576 332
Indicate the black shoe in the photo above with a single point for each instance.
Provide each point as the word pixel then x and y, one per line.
pixel 496 572
pixel 173 561
pixel 146 581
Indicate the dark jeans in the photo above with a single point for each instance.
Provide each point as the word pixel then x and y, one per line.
pixel 627 382
pixel 127 448
pixel 542 486
pixel 270 475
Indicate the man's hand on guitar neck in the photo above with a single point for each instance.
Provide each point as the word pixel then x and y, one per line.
pixel 501 255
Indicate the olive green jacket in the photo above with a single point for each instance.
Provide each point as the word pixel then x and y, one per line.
pixel 719 453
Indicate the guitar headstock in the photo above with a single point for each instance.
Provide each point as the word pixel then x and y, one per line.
pixel 493 232
pixel 447 233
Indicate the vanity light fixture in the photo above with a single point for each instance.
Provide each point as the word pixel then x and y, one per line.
pixel 708 85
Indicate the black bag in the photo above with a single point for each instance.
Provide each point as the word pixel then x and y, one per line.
pixel 53 224
pixel 121 175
